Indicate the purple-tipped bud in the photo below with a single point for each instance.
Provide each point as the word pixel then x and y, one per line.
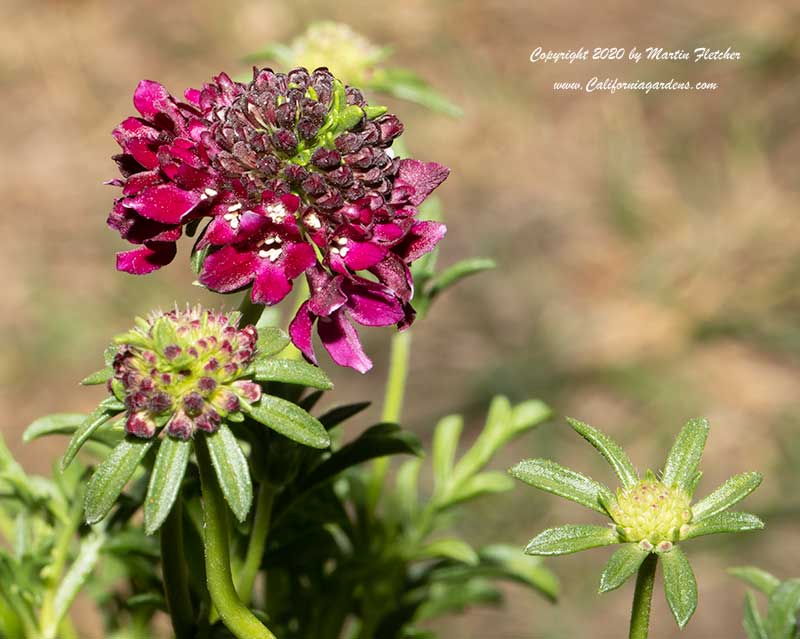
pixel 172 351
pixel 249 391
pixel 180 426
pixel 206 385
pixel 193 404
pixel 140 425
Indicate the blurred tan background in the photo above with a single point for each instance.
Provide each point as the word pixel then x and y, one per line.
pixel 648 245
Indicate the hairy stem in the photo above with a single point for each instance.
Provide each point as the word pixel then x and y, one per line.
pixel 392 405
pixel 236 616
pixel 258 541
pixel 642 597
pixel 176 583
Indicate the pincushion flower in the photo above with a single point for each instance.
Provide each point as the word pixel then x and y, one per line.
pixel 295 174
pixel 188 378
pixel 650 517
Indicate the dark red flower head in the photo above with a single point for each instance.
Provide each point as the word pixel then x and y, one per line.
pixel 296 174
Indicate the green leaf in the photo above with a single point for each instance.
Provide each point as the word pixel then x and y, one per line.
pixel 684 458
pixel 165 481
pixel 377 441
pixel 752 623
pixel 782 608
pixel 233 475
pixel 374 111
pixel 478 485
pixel 731 492
pixel 760 579
pixel 406 496
pixel 445 446
pixel 407 85
pixel 271 341
pixel 724 522
pixel 527 570
pixel 552 477
pixel 339 414
pixel 57 424
pixel 111 476
pixel 449 548
pixel 98 377
pixel 458 272
pixel 571 538
pixel 610 450
pixel 91 423
pixel 623 564
pixel 290 371
pixel 290 421
pixel 80 570
pixel 680 585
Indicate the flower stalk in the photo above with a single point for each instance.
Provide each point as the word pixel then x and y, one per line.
pixel 176 583
pixel 642 598
pixel 234 613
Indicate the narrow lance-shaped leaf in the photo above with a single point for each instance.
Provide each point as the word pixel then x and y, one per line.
pixel 290 421
pixel 457 272
pixel 623 564
pixel 782 609
pixel 291 371
pixel 445 446
pixel 111 476
pixel 165 481
pixel 684 458
pixel 233 475
pixel 752 623
pixel 610 450
pixel 478 485
pixel 759 579
pixel 78 573
pixel 510 564
pixel 338 414
pixel 680 586
pixel 571 538
pixel 724 522
pixel 730 493
pixel 271 341
pixel 98 377
pixel 449 548
pixel 58 424
pixel 93 421
pixel 552 477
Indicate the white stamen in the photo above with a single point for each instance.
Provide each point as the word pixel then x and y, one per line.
pixel 221 114
pixel 335 251
pixel 203 196
pixel 235 223
pixel 235 207
pixel 341 241
pixel 276 212
pixel 273 253
pixel 210 192
pixel 313 221
pixel 343 251
pixel 390 152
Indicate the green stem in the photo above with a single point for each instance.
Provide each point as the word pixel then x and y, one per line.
pixel 250 311
pixel 642 597
pixel 176 583
pixel 392 405
pixel 258 541
pixel 58 561
pixel 236 616
pixel 398 374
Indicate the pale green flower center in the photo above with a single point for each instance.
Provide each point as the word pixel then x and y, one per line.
pixel 651 511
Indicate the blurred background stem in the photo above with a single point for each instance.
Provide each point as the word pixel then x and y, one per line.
pixel 176 584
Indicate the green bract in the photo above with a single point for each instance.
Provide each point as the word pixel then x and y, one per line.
pixel 649 516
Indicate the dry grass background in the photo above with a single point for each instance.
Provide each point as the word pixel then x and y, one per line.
pixel 649 246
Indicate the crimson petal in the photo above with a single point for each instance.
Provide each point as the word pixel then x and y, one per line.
pixel 341 341
pixel 146 259
pixel 164 203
